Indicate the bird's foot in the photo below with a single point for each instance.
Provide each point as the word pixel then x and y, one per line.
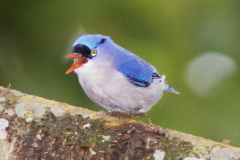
pixel 143 115
pixel 128 115
pixel 119 114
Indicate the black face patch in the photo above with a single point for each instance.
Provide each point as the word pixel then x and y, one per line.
pixel 82 49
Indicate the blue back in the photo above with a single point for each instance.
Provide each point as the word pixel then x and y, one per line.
pixel 138 71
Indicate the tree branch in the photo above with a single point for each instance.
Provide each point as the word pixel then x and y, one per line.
pixel 32 127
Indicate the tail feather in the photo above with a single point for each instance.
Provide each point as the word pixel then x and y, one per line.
pixel 171 89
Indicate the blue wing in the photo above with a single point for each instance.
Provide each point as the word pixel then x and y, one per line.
pixel 138 71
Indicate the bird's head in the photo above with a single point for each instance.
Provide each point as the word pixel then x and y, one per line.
pixel 85 48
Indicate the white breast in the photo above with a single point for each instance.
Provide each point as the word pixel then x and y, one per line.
pixel 110 89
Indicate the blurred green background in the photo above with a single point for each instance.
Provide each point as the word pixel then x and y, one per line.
pixel 195 43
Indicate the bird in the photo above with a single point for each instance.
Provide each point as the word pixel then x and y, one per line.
pixel 115 78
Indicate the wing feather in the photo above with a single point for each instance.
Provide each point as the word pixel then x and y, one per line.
pixel 138 71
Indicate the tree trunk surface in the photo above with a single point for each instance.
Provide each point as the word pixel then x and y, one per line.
pixel 32 127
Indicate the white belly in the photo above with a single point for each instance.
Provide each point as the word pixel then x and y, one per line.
pixel 110 89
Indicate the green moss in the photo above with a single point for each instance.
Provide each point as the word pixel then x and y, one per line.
pixel 175 148
pixel 60 135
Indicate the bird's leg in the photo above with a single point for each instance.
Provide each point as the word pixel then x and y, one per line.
pixel 135 113
pixel 142 115
pixel 111 113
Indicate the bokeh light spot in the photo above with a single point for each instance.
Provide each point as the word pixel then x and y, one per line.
pixel 208 70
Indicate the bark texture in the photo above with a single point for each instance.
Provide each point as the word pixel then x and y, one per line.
pixel 32 127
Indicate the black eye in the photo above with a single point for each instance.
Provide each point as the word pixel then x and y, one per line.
pixel 155 75
pixel 93 53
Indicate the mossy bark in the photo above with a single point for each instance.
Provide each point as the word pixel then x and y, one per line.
pixel 32 127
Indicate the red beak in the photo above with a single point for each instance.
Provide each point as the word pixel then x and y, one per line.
pixel 79 61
